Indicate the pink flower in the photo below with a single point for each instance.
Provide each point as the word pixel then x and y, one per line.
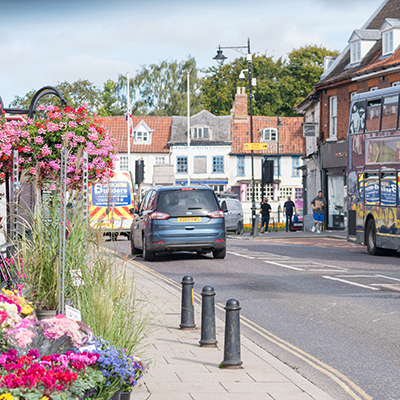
pixel 32 171
pixel 45 150
pixel 38 140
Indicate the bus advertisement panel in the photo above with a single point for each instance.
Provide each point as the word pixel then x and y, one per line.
pixel 112 204
pixel 373 195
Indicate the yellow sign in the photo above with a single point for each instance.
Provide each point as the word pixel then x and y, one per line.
pixel 256 146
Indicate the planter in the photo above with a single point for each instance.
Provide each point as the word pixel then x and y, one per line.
pixel 43 314
pixel 126 395
pixel 116 396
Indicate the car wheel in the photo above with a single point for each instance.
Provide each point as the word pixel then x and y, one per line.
pixel 219 253
pixel 134 250
pixel 239 228
pixel 148 255
pixel 371 239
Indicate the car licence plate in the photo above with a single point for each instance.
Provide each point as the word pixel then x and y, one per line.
pixel 189 219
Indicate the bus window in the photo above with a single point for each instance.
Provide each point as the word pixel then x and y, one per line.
pixel 388 188
pixel 373 115
pixel 371 188
pixel 357 118
pixel 361 187
pixel 390 150
pixel 373 153
pixel 389 112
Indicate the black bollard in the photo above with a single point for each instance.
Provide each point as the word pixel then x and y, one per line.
pixel 208 318
pixel 187 313
pixel 232 335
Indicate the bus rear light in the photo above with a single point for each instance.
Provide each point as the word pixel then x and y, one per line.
pixel 158 215
pixel 217 214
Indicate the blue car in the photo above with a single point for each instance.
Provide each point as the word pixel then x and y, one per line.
pixel 178 218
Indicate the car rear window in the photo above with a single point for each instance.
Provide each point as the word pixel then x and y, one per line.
pixel 182 202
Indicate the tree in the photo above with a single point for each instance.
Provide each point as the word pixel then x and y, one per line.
pixel 280 84
pixel 76 94
pixel 112 103
pixel 300 73
pixel 162 88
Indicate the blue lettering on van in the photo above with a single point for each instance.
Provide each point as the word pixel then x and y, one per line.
pixel 113 194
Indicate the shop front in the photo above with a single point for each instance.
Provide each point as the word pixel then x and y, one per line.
pixel 334 167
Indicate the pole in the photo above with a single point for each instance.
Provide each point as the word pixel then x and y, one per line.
pixel 253 201
pixel 278 133
pixel 188 128
pixel 129 123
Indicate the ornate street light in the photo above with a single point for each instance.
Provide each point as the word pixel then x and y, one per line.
pixel 220 58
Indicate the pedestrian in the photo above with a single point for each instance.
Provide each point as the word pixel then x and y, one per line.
pixel 289 209
pixel 265 211
pixel 318 205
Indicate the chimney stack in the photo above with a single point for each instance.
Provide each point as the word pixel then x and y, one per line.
pixel 239 109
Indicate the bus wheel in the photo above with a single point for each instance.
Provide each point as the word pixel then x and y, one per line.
pixel 371 239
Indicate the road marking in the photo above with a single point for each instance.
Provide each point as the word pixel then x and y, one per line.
pixel 388 277
pixel 241 255
pixel 350 283
pixel 284 266
pixel 345 383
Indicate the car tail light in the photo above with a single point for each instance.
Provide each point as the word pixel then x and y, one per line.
pixel 158 215
pixel 187 189
pixel 217 214
pixel 219 240
pixel 160 241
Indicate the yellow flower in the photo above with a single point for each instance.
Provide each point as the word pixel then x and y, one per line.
pixel 43 398
pixel 26 310
pixel 6 396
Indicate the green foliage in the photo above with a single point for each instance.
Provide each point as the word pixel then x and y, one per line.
pixel 162 88
pixel 76 94
pixel 280 85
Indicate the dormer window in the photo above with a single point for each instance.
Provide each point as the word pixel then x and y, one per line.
pixel 390 30
pixel 201 132
pixel 387 43
pixel 269 134
pixel 361 42
pixel 142 133
pixel 355 52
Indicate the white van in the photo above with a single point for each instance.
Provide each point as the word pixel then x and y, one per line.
pixel 233 211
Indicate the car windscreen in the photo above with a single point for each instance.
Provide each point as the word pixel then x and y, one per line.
pixel 187 202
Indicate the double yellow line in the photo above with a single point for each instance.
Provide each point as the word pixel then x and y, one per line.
pixel 345 383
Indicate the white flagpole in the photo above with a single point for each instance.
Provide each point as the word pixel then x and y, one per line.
pixel 129 123
pixel 188 128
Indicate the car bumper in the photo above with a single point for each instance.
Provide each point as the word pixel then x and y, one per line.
pixel 202 246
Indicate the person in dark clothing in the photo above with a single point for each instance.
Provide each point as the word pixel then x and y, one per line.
pixel 289 209
pixel 265 211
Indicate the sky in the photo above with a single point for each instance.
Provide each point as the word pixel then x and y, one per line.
pixel 45 42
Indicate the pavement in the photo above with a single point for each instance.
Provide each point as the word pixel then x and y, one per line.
pixel 182 370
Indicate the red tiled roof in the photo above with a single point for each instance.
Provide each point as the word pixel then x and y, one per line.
pixel 378 63
pixel 291 140
pixel 161 127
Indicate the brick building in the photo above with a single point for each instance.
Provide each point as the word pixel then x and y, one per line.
pixel 217 154
pixel 370 61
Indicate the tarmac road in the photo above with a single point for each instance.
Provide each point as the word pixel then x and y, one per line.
pixel 320 304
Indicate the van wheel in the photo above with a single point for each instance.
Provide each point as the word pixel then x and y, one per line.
pixel 148 255
pixel 219 253
pixel 371 239
pixel 239 228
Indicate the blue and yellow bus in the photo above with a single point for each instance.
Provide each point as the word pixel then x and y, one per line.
pixel 373 196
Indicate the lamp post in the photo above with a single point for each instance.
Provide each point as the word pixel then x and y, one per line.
pixel 221 58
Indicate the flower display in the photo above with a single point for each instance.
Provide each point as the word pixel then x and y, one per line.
pixel 120 370
pixel 37 377
pixel 39 146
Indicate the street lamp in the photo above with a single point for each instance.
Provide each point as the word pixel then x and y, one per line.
pixel 220 58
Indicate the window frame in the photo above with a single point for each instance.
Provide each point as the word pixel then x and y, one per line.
pixel 194 165
pixel 356 52
pixel 195 130
pixel 126 159
pixel 241 165
pixel 181 161
pixel 332 117
pixel 387 43
pixel 216 163
pixel 295 171
pixel 269 130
